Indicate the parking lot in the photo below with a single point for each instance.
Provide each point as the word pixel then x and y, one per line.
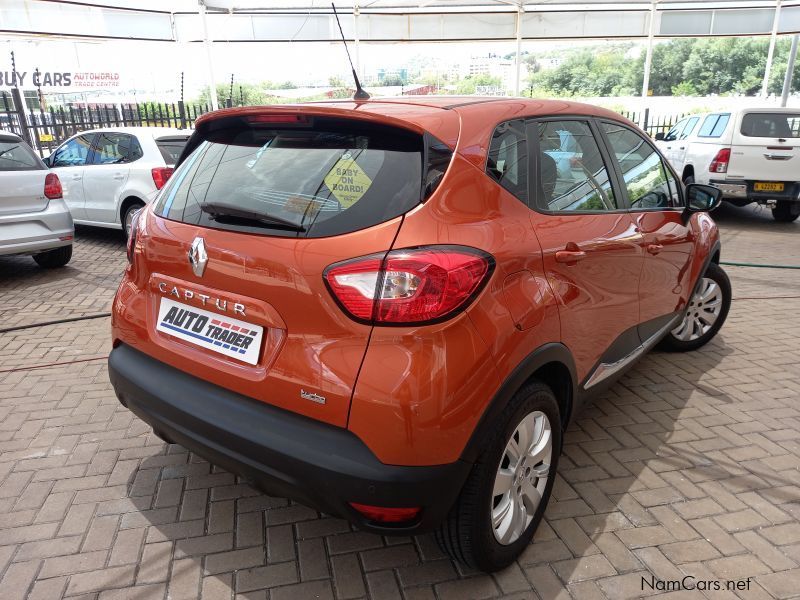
pixel 689 466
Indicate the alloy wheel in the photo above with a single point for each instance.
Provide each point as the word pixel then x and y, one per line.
pixel 701 314
pixel 521 477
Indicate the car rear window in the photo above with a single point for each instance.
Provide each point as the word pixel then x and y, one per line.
pixel 171 148
pixel 17 156
pixel 772 125
pixel 327 178
pixel 714 125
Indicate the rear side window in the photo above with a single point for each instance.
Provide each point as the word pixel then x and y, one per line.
pixel 773 125
pixel 327 179
pixel 714 125
pixel 17 156
pixel 571 173
pixel 171 148
pixel 507 162
pixel 113 148
pixel 690 125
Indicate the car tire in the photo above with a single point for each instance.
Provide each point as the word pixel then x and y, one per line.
pixel 786 212
pixel 469 533
pixel 127 217
pixel 54 258
pixel 706 313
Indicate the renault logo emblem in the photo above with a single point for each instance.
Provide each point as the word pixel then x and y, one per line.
pixel 198 257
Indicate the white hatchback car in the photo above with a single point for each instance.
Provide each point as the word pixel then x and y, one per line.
pixel 109 174
pixel 33 218
pixel 752 155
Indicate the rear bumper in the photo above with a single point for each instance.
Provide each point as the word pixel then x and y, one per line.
pixel 30 233
pixel 745 189
pixel 283 453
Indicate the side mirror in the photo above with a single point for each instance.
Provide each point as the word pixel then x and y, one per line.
pixel 660 136
pixel 702 198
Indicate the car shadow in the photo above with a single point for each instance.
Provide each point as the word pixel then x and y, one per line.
pixel 753 217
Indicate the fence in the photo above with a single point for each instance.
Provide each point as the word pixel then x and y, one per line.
pixel 652 125
pixel 44 130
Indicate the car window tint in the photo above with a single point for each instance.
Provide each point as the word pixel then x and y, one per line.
pixel 331 177
pixel 676 130
pixel 73 153
pixel 17 156
pixel 648 182
pixel 508 158
pixel 571 173
pixel 171 148
pixel 136 151
pixel 690 125
pixel 773 125
pixel 112 148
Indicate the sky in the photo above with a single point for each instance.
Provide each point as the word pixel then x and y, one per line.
pixel 156 66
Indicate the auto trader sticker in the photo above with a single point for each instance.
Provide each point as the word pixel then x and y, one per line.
pixel 220 333
pixel 347 181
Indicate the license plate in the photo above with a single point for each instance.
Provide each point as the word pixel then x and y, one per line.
pixel 212 331
pixel 763 186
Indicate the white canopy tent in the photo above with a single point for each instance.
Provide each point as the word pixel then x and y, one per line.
pixel 402 21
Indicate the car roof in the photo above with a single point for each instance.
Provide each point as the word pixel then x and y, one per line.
pixel 452 119
pixel 13 136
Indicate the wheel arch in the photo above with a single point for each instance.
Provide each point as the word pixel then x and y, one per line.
pixel 128 201
pixel 551 364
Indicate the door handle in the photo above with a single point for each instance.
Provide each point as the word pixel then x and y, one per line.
pixel 681 147
pixel 77 177
pixel 570 257
pixel 654 248
pixel 119 176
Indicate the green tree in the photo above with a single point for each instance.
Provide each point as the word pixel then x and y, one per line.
pixel 250 95
pixel 469 84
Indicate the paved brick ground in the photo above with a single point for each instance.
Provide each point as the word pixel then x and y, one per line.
pixel 689 466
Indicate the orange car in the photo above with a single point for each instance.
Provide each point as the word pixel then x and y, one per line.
pixel 390 309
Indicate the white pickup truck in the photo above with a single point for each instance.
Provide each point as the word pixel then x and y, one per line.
pixel 752 155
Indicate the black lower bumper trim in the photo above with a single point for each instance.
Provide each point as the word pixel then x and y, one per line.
pixel 283 453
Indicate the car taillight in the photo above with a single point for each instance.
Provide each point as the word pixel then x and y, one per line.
pixel 132 235
pixel 720 162
pixel 52 187
pixel 161 175
pixel 411 286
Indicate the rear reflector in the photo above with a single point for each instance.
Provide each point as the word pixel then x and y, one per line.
pixel 161 175
pixel 383 514
pixel 411 286
pixel 52 187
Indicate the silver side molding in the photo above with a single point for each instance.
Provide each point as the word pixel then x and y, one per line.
pixel 606 370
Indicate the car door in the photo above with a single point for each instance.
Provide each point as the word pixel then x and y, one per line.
pixel 592 252
pixel 69 162
pixel 681 145
pixel 105 178
pixel 656 204
pixel 669 144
